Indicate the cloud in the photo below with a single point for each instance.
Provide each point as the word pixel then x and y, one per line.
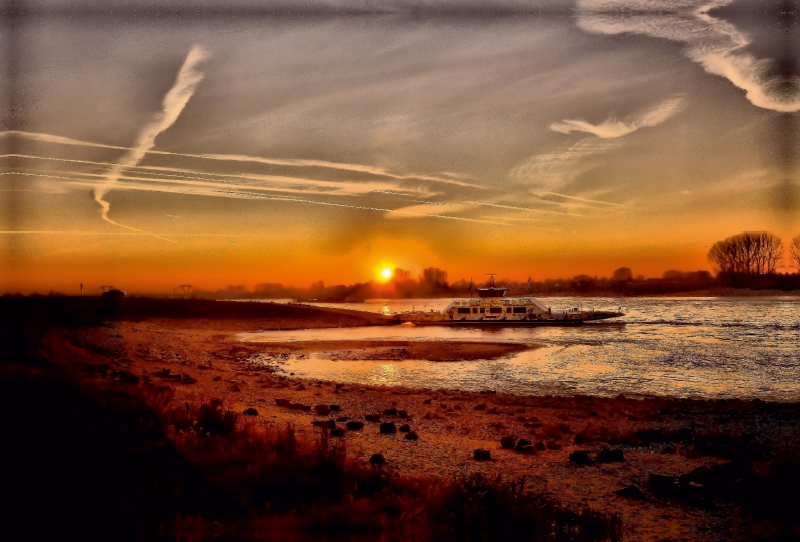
pixel 715 44
pixel 612 128
pixel 174 102
pixel 358 168
pixel 252 181
pixel 552 170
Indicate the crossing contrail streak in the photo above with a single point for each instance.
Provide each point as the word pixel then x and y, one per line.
pixel 174 102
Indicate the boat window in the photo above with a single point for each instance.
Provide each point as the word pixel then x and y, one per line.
pixel 463 311
pixel 483 310
pixel 519 310
pixel 474 311
pixel 495 310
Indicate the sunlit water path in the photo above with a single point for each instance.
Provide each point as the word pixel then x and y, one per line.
pixel 683 347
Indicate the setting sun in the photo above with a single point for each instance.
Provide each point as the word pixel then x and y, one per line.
pixel 386 273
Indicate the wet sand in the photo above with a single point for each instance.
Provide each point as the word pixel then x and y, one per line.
pixel 202 359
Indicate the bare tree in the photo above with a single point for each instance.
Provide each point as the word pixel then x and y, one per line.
pixel 751 253
pixel 795 251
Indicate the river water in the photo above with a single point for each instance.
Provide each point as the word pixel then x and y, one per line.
pixel 677 347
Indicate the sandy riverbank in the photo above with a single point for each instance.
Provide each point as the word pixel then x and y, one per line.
pixel 200 359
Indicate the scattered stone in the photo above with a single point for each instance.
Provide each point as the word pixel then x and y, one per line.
pixel 390 412
pixel 581 457
pixel 427 401
pixel 322 410
pixel 372 418
pixel 631 492
pixel 610 455
pixel 540 446
pixel 377 459
pixel 492 410
pixel 354 426
pixel 388 428
pixel 522 443
pixel 482 455
pixel 250 412
pixel 663 485
pixel 696 494
pixel 412 435
pixel 405 428
pixel 342 419
pixel 338 432
pixel 480 406
pixel 217 378
pixel 507 442
pixel 553 445
pixel 443 406
pixel 335 408
pixel 402 413
pixel 528 449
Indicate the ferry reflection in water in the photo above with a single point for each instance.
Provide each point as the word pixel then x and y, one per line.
pixel 684 347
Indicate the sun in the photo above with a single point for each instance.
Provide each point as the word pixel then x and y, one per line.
pixel 386 273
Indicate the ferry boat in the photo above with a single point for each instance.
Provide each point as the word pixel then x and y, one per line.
pixel 492 308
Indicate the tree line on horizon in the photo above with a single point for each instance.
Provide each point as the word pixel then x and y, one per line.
pixel 745 261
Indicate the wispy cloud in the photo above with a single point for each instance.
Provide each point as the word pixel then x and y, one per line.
pixel 552 170
pixel 255 181
pixel 174 102
pixel 611 127
pixel 292 162
pixel 576 198
pixel 715 44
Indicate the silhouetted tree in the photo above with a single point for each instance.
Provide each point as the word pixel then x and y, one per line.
pixel 401 275
pixel 434 275
pixel 795 251
pixel 751 253
pixel 622 274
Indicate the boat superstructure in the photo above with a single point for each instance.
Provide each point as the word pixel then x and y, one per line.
pixel 491 307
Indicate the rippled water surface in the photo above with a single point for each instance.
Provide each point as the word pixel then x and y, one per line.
pixel 684 347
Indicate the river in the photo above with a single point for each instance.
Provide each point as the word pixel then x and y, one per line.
pixel 678 347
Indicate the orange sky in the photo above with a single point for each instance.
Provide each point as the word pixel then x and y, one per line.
pixel 152 153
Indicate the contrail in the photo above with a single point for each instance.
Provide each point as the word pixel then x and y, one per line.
pixel 174 102
pixel 372 170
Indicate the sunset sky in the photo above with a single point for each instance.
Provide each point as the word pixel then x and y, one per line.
pixel 326 142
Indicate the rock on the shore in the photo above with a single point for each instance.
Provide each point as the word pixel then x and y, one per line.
pixel 390 412
pixel 507 442
pixel 528 449
pixel 322 410
pixel 481 406
pixel 405 428
pixel 411 435
pixel 581 457
pixel 338 432
pixel 482 455
pixel 250 412
pixel 610 455
pixel 388 428
pixel 663 485
pixel 402 413
pixel 354 426
pixel 377 459
pixel 372 418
